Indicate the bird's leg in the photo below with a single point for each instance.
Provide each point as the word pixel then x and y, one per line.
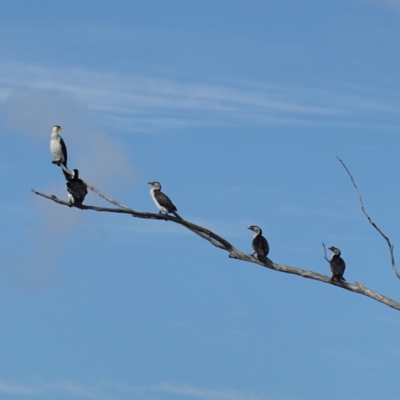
pixel 160 212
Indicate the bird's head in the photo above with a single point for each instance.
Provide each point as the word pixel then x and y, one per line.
pixel 156 185
pixel 255 228
pixel 57 128
pixel 335 250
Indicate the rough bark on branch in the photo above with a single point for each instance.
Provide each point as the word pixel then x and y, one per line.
pixel 223 244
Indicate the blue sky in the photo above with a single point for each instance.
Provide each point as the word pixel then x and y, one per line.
pixel 238 109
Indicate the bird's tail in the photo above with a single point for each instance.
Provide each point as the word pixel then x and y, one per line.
pixel 177 215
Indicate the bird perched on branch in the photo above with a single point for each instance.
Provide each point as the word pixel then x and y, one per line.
pixel 337 265
pixel 59 150
pixel 260 244
pixel 77 189
pixel 162 201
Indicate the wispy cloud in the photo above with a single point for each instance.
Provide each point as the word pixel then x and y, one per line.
pixel 127 94
pixel 18 388
pixel 67 388
pixel 33 112
pixel 391 4
pixel 144 104
pixel 107 390
pixel 205 394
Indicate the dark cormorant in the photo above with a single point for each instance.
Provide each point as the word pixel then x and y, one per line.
pixel 161 200
pixel 59 150
pixel 77 189
pixel 337 265
pixel 260 244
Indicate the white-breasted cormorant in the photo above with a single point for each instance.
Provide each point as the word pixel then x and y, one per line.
pixel 260 244
pixel 59 150
pixel 337 265
pixel 77 189
pixel 162 201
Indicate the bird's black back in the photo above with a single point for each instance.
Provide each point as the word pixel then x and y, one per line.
pixel 164 201
pixel 337 267
pixel 260 246
pixel 78 190
pixel 64 151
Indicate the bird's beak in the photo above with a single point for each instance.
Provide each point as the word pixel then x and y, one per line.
pixel 330 248
pixel 60 129
pixel 151 183
pixel 250 228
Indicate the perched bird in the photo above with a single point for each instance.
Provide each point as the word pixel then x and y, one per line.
pixel 260 244
pixel 162 201
pixel 77 189
pixel 59 150
pixel 337 265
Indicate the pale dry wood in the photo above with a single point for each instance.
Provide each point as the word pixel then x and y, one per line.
pixel 352 287
pixel 70 173
pixel 223 244
pixel 206 234
pixel 391 246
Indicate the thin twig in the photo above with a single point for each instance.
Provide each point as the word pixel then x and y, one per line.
pixel 326 258
pixel 391 246
pixel 109 199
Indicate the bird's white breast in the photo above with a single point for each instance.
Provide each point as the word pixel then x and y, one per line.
pixel 55 147
pixel 71 198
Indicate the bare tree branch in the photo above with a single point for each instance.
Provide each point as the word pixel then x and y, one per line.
pixel 326 258
pixel 213 238
pixel 356 287
pixel 391 246
pixel 223 244
pixel 109 199
pixel 82 206
pixel 65 169
pixel 92 188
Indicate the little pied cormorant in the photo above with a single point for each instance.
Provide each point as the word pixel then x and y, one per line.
pixel 58 149
pixel 260 244
pixel 162 201
pixel 337 265
pixel 77 189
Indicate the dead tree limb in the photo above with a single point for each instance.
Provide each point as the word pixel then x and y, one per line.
pixel 326 258
pixel 223 244
pixel 390 245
